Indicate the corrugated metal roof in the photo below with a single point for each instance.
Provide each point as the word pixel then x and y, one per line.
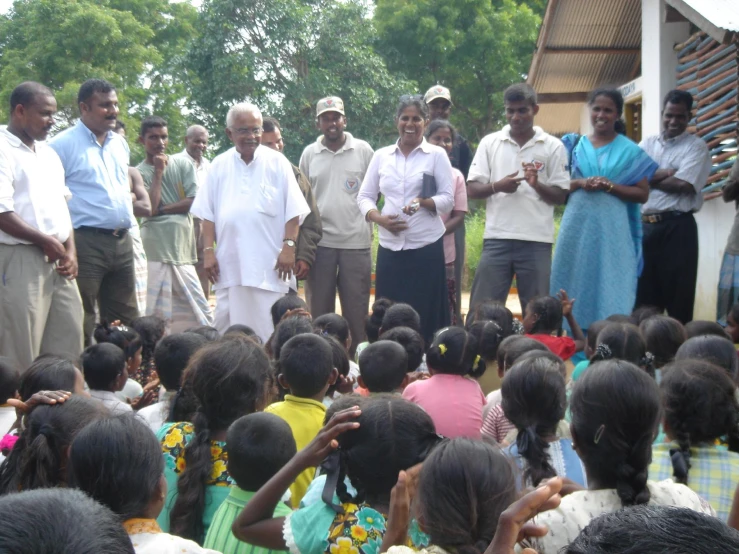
pixel 582 72
pixel 722 13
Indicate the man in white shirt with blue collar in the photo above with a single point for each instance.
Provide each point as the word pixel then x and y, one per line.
pixel 40 306
pixel 251 207
pixel 670 234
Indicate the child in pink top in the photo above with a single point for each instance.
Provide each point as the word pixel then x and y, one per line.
pixel 452 397
pixel 441 133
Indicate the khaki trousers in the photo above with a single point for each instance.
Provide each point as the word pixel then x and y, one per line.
pixel 40 311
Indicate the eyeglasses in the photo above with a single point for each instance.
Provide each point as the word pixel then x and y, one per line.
pixel 242 131
pixel 410 97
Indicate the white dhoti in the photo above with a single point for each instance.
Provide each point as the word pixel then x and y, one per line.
pixel 246 306
pixel 140 267
pixel 175 295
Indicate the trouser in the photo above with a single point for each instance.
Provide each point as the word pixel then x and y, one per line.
pixel 459 246
pixel 106 276
pixel 40 310
pixel 501 259
pixel 200 265
pixel 349 271
pixel 248 306
pixel 670 267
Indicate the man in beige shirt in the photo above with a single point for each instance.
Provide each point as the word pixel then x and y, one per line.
pixel 335 166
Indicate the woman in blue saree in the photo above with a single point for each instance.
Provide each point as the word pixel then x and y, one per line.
pixel 598 256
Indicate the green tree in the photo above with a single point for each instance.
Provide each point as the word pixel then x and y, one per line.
pixel 475 47
pixel 284 55
pixel 138 45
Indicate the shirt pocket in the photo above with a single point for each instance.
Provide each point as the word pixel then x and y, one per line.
pixel 267 200
pixel 352 182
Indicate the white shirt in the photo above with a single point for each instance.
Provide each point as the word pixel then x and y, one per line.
pixel 399 179
pixel 687 154
pixel 336 178
pixel 156 414
pixel 32 185
pixel 201 168
pixel 250 204
pixel 110 400
pixel 521 215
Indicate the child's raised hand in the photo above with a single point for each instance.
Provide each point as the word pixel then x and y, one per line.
pixel 514 525
pixel 325 442
pixel 399 515
pixel 345 385
pixel 566 302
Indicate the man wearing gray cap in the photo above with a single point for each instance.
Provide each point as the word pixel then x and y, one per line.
pixel 335 166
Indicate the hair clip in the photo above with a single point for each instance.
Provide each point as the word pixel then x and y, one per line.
pixel 648 359
pixel 442 349
pixel 477 359
pixel 599 434
pixel 604 351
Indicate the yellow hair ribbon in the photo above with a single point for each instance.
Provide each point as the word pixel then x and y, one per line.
pixel 442 349
pixel 477 359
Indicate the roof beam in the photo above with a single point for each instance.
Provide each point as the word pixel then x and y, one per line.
pixel 544 30
pixel 717 33
pixel 578 50
pixel 561 97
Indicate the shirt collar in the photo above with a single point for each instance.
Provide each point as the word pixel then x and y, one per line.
pixel 664 140
pixel 348 143
pixel 86 130
pixel 538 134
pixel 13 140
pixel 137 526
pixel 237 155
pixel 307 401
pixel 198 164
pixel 425 147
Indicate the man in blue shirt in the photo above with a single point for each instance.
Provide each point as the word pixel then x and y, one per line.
pixel 95 161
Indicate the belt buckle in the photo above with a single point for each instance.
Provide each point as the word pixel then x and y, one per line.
pixel 116 233
pixel 653 218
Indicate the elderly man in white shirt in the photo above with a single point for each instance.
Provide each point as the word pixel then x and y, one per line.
pixel 251 206
pixel 670 234
pixel 40 305
pixel 415 178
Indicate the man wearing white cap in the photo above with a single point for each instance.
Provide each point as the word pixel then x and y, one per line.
pixel 335 166
pixel 439 101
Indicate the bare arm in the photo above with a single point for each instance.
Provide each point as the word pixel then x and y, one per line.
pixel 179 207
pixel 11 223
pixel 673 185
pixel 210 263
pixel 478 190
pixel 454 221
pixel 142 204
pixel 637 193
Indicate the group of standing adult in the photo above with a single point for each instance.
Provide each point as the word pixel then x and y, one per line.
pixel 250 222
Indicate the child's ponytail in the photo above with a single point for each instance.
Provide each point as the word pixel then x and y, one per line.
pixel 455 351
pixel 534 450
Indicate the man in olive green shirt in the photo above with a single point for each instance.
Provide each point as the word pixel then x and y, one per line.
pixel 174 291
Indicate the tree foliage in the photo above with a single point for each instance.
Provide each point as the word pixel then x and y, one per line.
pixel 284 55
pixel 475 47
pixel 138 45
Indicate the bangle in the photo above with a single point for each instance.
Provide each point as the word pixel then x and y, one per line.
pixel 209 248
pixel 610 188
pixel 493 188
pixel 367 217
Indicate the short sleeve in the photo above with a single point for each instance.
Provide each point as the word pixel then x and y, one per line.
pixel 460 192
pixel 480 168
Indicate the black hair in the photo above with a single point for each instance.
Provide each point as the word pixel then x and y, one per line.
pixel 285 303
pixel 514 349
pixel 172 355
pixel 125 338
pixel 697 328
pixel 595 328
pixel 676 96
pixel 118 462
pixel 374 320
pixel 229 378
pixel 615 416
pixel 333 325
pixel 555 360
pixel 306 362
pixel 151 122
pixel 183 404
pixel 37 459
pixel 613 94
pixel 734 312
pixel 618 318
pixel 339 361
pixel 102 364
pixel 63 521
pixel 287 329
pixel 10 379
pixel 258 446
pixel 91 86
pixel 401 315
pixel 642 313
pixel 454 351
pixel 47 372
pixel 151 329
pixel 548 310
pixel 437 124
pixel 25 94
pixel 412 100
pixel 411 340
pixel 663 335
pixel 489 336
pixel 710 348
pixel 383 366
pixel 269 124
pixel 245 330
pixel 623 341
pixel 393 435
pixel 700 407
pixel 464 487
pixel 520 92
pixel 490 310
pixel 534 400
pixel 655 529
pixel 211 334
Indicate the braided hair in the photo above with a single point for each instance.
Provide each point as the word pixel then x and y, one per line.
pixel 663 336
pixel 623 341
pixel 615 416
pixel 548 312
pixel 700 407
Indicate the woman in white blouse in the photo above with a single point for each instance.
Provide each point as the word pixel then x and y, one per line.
pixel 415 178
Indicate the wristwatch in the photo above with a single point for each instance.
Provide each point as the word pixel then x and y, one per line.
pixel 289 242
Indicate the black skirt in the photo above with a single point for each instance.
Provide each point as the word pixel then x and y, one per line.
pixel 416 277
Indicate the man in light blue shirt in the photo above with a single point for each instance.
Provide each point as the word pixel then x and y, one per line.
pixel 95 161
